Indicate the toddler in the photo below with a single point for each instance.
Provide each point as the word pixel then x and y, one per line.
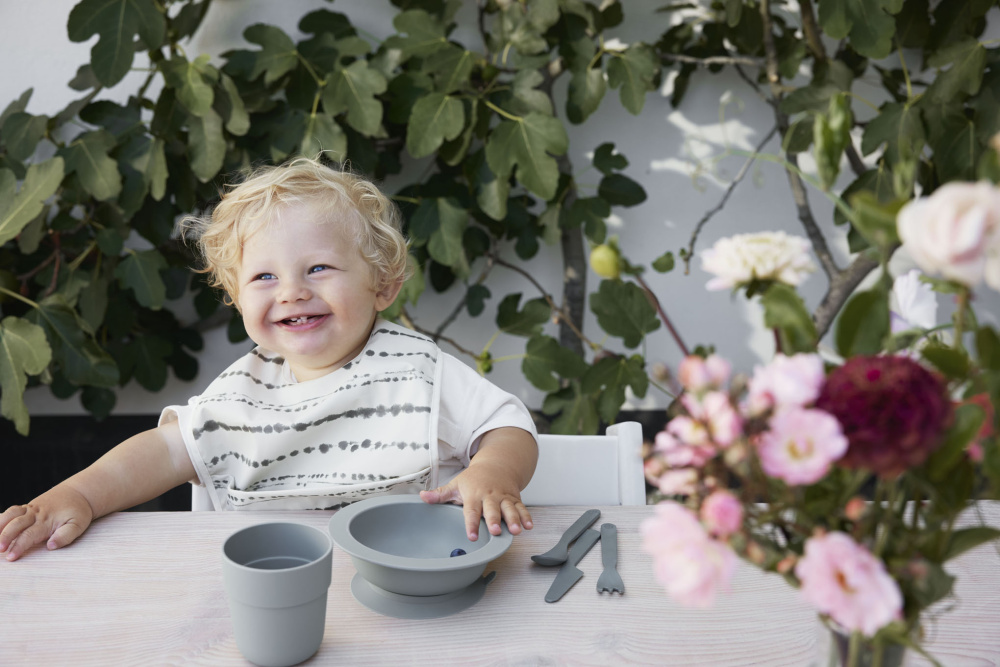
pixel 333 405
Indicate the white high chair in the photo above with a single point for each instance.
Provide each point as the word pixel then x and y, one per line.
pixel 589 469
pixel 572 470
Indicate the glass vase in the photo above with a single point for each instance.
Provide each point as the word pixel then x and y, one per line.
pixel 867 653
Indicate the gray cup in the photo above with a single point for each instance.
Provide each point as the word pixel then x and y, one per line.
pixel 276 576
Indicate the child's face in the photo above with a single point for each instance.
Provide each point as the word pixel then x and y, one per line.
pixel 306 293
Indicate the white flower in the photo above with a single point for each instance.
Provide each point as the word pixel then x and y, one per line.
pixel 737 260
pixel 912 303
pixel 955 232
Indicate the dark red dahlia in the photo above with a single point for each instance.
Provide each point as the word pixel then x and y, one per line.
pixel 892 410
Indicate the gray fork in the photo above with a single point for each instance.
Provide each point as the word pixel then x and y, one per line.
pixel 610 581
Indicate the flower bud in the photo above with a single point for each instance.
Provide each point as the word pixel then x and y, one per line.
pixel 855 508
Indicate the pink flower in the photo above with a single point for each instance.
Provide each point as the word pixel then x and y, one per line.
pixel 678 482
pixel 800 445
pixel 722 514
pixel 716 412
pixel 954 232
pixel 786 381
pixel 687 430
pixel 697 374
pixel 686 561
pixel 843 579
pixel 678 454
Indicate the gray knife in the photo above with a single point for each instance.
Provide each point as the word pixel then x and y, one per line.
pixel 569 574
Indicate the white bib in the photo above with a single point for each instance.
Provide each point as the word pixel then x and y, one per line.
pixel 368 428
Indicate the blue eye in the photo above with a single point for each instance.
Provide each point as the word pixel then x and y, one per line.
pixel 318 267
pixel 264 276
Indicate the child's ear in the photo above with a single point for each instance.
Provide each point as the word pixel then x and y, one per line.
pixel 385 296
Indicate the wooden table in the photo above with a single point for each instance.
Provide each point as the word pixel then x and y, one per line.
pixel 146 589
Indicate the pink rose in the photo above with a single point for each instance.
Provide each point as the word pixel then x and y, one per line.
pixel 722 514
pixel 954 232
pixel 716 413
pixel 689 564
pixel 786 381
pixel 678 454
pixel 678 482
pixel 697 374
pixel 687 430
pixel 800 445
pixel 843 579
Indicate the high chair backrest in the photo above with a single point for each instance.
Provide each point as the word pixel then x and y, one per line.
pixel 589 469
pixel 572 470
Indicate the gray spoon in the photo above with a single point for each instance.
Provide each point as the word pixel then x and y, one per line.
pixel 558 554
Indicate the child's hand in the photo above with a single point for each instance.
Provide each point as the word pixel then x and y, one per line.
pixel 486 490
pixel 56 517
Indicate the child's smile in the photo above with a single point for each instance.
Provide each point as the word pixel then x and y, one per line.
pixel 306 292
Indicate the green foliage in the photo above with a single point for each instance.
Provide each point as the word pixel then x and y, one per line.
pixel 86 235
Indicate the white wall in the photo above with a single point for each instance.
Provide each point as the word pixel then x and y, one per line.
pixel 672 153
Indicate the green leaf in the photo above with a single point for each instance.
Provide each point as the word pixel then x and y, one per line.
pixel 526 96
pixel 147 359
pixel 953 363
pixel 17 210
pixel 526 144
pixel 831 135
pixel 900 127
pixel 799 136
pixel 968 419
pixel 785 311
pixel 988 348
pixel 525 322
pixel 435 118
pixel 451 67
pixel 475 299
pixel 116 22
pixel 192 82
pixel 576 410
pixel 354 88
pixel 586 90
pixel 82 360
pixel 863 323
pixel 965 539
pixel 140 272
pixel 664 263
pixel 624 310
pixel 445 243
pixel 277 56
pixel 24 351
pixel 93 302
pixel 967 59
pixel 876 221
pixel 230 106
pixel 635 71
pixel 98 401
pixel 546 361
pixel 614 374
pixel 620 190
pixel 323 134
pixel 867 22
pixel 87 156
pixel 425 34
pixel 607 160
pixel 18 105
pixel 207 145
pixel 21 133
pixel 492 191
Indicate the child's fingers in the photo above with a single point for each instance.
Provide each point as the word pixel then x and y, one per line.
pixel 516 515
pixel 492 514
pixel 472 512
pixel 25 537
pixel 8 531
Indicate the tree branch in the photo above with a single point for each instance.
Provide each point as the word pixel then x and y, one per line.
pixel 722 202
pixel 840 290
pixel 714 60
pixel 811 30
pixel 858 165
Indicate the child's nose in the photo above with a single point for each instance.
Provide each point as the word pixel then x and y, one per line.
pixel 293 290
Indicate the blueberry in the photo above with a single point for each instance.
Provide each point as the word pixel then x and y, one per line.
pixel 458 552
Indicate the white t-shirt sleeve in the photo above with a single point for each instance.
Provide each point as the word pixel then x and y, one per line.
pixel 470 406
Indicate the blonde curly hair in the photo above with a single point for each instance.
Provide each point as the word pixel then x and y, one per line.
pixel 256 201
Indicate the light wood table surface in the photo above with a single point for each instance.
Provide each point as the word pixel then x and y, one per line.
pixel 146 589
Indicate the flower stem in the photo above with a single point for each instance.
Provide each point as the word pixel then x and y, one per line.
pixel 663 314
pixel 854 649
pixel 4 290
pixel 963 305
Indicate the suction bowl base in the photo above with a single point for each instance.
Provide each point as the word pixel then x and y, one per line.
pixel 416 607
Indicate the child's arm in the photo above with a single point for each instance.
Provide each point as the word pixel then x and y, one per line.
pixel 137 470
pixel 491 486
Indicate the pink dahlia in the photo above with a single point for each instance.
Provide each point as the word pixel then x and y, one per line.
pixel 892 410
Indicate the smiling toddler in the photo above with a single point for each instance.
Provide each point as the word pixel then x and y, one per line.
pixel 334 404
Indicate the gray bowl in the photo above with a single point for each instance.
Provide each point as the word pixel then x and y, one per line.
pixel 403 545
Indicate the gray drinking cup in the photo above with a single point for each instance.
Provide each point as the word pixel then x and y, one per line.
pixel 276 577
